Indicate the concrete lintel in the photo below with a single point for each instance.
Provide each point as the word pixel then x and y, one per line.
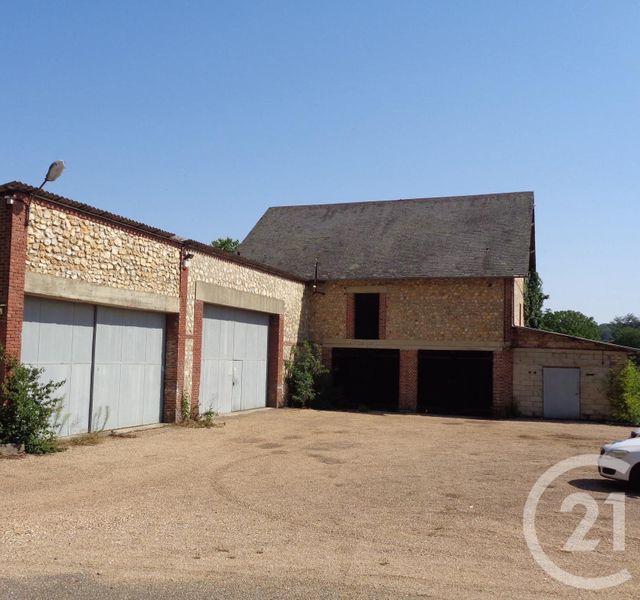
pixel 365 289
pixel 75 290
pixel 412 345
pixel 212 293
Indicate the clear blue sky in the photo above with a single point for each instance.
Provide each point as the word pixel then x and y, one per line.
pixel 197 116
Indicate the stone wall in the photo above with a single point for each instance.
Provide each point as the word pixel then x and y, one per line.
pixel 436 310
pixel 212 269
pixel 65 243
pixel 594 366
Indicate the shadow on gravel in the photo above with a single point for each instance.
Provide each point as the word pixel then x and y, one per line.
pixel 605 486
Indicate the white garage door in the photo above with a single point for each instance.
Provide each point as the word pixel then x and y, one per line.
pixel 127 386
pixel 234 359
pixel 116 384
pixel 58 337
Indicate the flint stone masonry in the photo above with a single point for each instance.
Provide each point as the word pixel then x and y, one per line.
pixel 64 244
pixel 437 310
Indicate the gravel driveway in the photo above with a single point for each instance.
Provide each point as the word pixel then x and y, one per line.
pixel 306 504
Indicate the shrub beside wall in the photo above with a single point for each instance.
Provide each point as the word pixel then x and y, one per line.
pixel 305 375
pixel 624 394
pixel 28 408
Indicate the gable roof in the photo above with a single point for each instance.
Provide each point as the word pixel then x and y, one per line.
pixel 461 236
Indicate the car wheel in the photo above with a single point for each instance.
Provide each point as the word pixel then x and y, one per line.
pixel 634 477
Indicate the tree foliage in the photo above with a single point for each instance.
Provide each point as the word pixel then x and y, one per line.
pixel 628 320
pixel 570 322
pixel 27 408
pixel 623 330
pixel 534 298
pixel 627 336
pixel 624 394
pixel 304 374
pixel 227 244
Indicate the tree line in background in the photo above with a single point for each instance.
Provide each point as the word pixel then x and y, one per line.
pixel 623 330
pixel 227 244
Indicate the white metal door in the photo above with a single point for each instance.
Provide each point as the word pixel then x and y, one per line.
pixel 58 337
pixel 561 393
pixel 127 388
pixel 234 359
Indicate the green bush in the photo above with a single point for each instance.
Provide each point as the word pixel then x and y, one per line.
pixel 27 408
pixel 624 394
pixel 305 375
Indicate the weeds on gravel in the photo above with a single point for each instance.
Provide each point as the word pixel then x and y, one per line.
pixel 94 438
pixel 125 435
pixel 86 439
pixel 205 420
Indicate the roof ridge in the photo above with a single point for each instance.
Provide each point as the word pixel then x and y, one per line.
pixel 397 200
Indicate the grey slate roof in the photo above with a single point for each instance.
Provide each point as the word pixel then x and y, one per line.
pixel 461 236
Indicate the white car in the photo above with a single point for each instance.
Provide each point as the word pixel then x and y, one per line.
pixel 621 460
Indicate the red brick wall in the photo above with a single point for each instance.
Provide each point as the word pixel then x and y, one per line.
pixel 502 382
pixel 408 397
pixel 174 356
pixel 197 356
pixel 13 249
pixel 275 363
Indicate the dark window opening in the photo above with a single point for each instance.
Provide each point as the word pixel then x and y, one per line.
pixel 367 316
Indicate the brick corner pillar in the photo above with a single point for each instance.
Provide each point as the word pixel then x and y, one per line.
pixel 382 317
pixel 175 354
pixel 502 382
pixel 13 255
pixel 275 362
pixel 327 356
pixel 508 315
pixel 408 393
pixel 198 315
pixel 350 317
pixel 503 359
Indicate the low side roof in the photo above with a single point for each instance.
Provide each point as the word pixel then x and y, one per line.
pixel 526 337
pixel 461 236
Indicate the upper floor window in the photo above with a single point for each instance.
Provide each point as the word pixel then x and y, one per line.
pixel 366 316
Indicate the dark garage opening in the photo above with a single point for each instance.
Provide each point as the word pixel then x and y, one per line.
pixel 366 378
pixel 455 382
